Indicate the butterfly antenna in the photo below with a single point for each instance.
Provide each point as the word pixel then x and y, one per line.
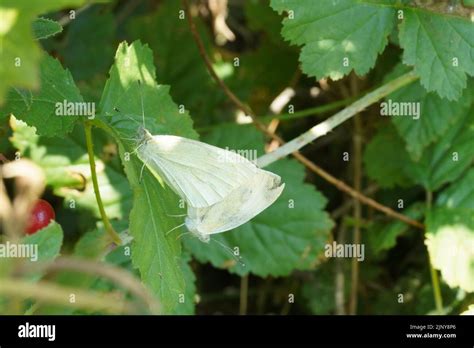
pixel 127 116
pixel 174 228
pixel 179 215
pixel 182 234
pixel 135 151
pixel 141 100
pixel 237 258
pixel 131 139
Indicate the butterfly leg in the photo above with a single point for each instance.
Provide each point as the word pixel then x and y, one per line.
pixel 141 173
pixel 178 215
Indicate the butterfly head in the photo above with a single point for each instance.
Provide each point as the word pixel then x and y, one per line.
pixel 192 226
pixel 143 136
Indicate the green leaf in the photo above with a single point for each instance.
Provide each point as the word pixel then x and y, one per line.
pixel 450 236
pixel 66 165
pixel 89 44
pixel 44 28
pixel 328 37
pixel 261 18
pixel 38 109
pixel 385 159
pixel 276 241
pixel 187 304
pixel 179 66
pixel 318 290
pixel 442 162
pixel 431 42
pixel 269 79
pixel 450 241
pixel 383 236
pixel 19 52
pixel 470 310
pixel 92 246
pixel 460 194
pixel 48 241
pixel 447 159
pixel 156 255
pixel 436 117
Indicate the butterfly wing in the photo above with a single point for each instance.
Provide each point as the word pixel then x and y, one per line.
pixel 240 206
pixel 200 173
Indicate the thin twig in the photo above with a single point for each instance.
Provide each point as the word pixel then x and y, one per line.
pixel 356 107
pixel 211 70
pixel 108 227
pixel 67 18
pixel 347 205
pixel 355 194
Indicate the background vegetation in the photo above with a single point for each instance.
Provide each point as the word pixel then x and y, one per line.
pixel 404 188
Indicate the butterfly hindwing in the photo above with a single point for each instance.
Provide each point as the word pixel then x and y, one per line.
pixel 240 206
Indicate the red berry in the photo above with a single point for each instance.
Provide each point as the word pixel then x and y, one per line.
pixel 40 216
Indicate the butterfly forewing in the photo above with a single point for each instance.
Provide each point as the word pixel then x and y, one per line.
pixel 200 173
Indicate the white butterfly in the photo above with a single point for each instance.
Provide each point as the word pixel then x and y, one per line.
pixel 200 173
pixel 222 189
pixel 240 206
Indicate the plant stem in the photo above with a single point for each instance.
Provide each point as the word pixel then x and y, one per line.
pixel 307 112
pixel 90 150
pixel 52 293
pixel 67 18
pixel 339 278
pixel 436 289
pixel 315 111
pixel 244 288
pixel 332 122
pixel 357 211
pixel 115 274
pixel 434 275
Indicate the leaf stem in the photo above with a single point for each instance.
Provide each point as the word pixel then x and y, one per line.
pixel 434 275
pixel 90 150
